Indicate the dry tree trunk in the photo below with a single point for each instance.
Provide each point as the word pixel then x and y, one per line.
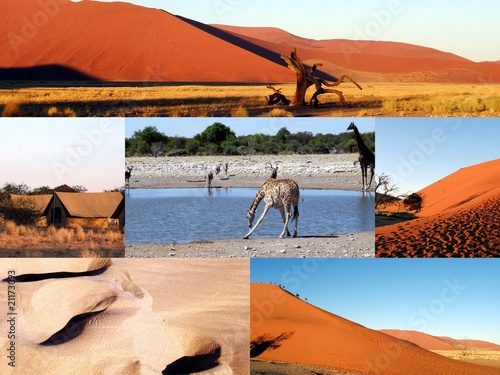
pixel 303 74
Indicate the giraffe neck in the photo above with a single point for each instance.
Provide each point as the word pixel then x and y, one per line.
pixel 260 195
pixel 362 148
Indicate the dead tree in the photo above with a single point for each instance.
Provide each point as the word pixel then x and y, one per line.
pixel 303 74
pixel 276 97
pixel 318 83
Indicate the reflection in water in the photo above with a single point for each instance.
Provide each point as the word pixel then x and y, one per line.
pixel 183 215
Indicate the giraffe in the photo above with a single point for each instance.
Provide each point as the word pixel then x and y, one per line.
pixel 274 171
pixel 209 177
pixel 128 174
pixel 217 171
pixel 280 194
pixel 366 158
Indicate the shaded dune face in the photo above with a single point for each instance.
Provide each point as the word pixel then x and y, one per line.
pixel 91 317
pixel 287 329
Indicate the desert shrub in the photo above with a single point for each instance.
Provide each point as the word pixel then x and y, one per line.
pixel 52 230
pixel 413 202
pixel 239 112
pixel 10 228
pixel 11 109
pixel 22 212
pixel 63 235
pixel 80 233
pixel 277 112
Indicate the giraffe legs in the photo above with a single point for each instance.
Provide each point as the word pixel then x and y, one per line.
pixel 286 218
pixel 268 206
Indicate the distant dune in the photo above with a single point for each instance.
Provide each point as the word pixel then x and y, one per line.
pixel 124 42
pixel 459 218
pixel 284 328
pixel 430 342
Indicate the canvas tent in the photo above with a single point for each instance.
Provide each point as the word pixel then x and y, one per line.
pixel 88 210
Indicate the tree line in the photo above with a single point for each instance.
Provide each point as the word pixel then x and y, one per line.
pixel 219 139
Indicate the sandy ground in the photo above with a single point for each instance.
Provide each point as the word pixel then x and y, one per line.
pixel 126 316
pixel 466 233
pixel 310 171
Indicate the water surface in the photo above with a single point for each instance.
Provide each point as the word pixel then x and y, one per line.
pixel 184 215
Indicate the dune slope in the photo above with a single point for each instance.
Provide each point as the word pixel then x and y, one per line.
pixel 459 218
pixel 285 328
pixel 118 41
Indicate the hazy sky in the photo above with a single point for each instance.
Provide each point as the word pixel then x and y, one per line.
pixel 466 28
pixel 55 151
pixel 416 152
pixel 188 127
pixel 442 297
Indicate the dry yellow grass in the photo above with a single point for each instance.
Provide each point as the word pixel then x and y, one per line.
pixel 191 100
pixel 29 241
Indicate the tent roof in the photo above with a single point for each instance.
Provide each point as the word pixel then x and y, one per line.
pixel 91 204
pixel 41 201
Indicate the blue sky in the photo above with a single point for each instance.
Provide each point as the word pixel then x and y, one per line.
pixel 55 151
pixel 466 28
pixel 442 297
pixel 188 127
pixel 416 152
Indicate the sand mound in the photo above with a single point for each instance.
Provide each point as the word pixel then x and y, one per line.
pixel 285 328
pixel 459 218
pixel 105 323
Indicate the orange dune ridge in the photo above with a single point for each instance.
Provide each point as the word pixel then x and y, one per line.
pixel 287 329
pixel 124 42
pixel 118 41
pixel 459 218
pixel 430 342
pixel 463 189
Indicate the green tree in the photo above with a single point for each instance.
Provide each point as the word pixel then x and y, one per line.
pixel 216 134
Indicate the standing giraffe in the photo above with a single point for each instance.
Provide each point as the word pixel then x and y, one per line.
pixel 217 171
pixel 274 171
pixel 280 194
pixel 366 158
pixel 128 174
pixel 209 177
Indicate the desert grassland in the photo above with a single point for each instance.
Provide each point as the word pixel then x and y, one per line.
pixel 479 356
pixel 258 366
pixel 32 241
pixel 242 100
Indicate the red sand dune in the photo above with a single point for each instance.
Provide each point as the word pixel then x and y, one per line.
pixel 124 42
pixel 459 218
pixel 430 342
pixel 285 328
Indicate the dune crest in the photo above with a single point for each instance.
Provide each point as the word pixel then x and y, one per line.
pixel 326 340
